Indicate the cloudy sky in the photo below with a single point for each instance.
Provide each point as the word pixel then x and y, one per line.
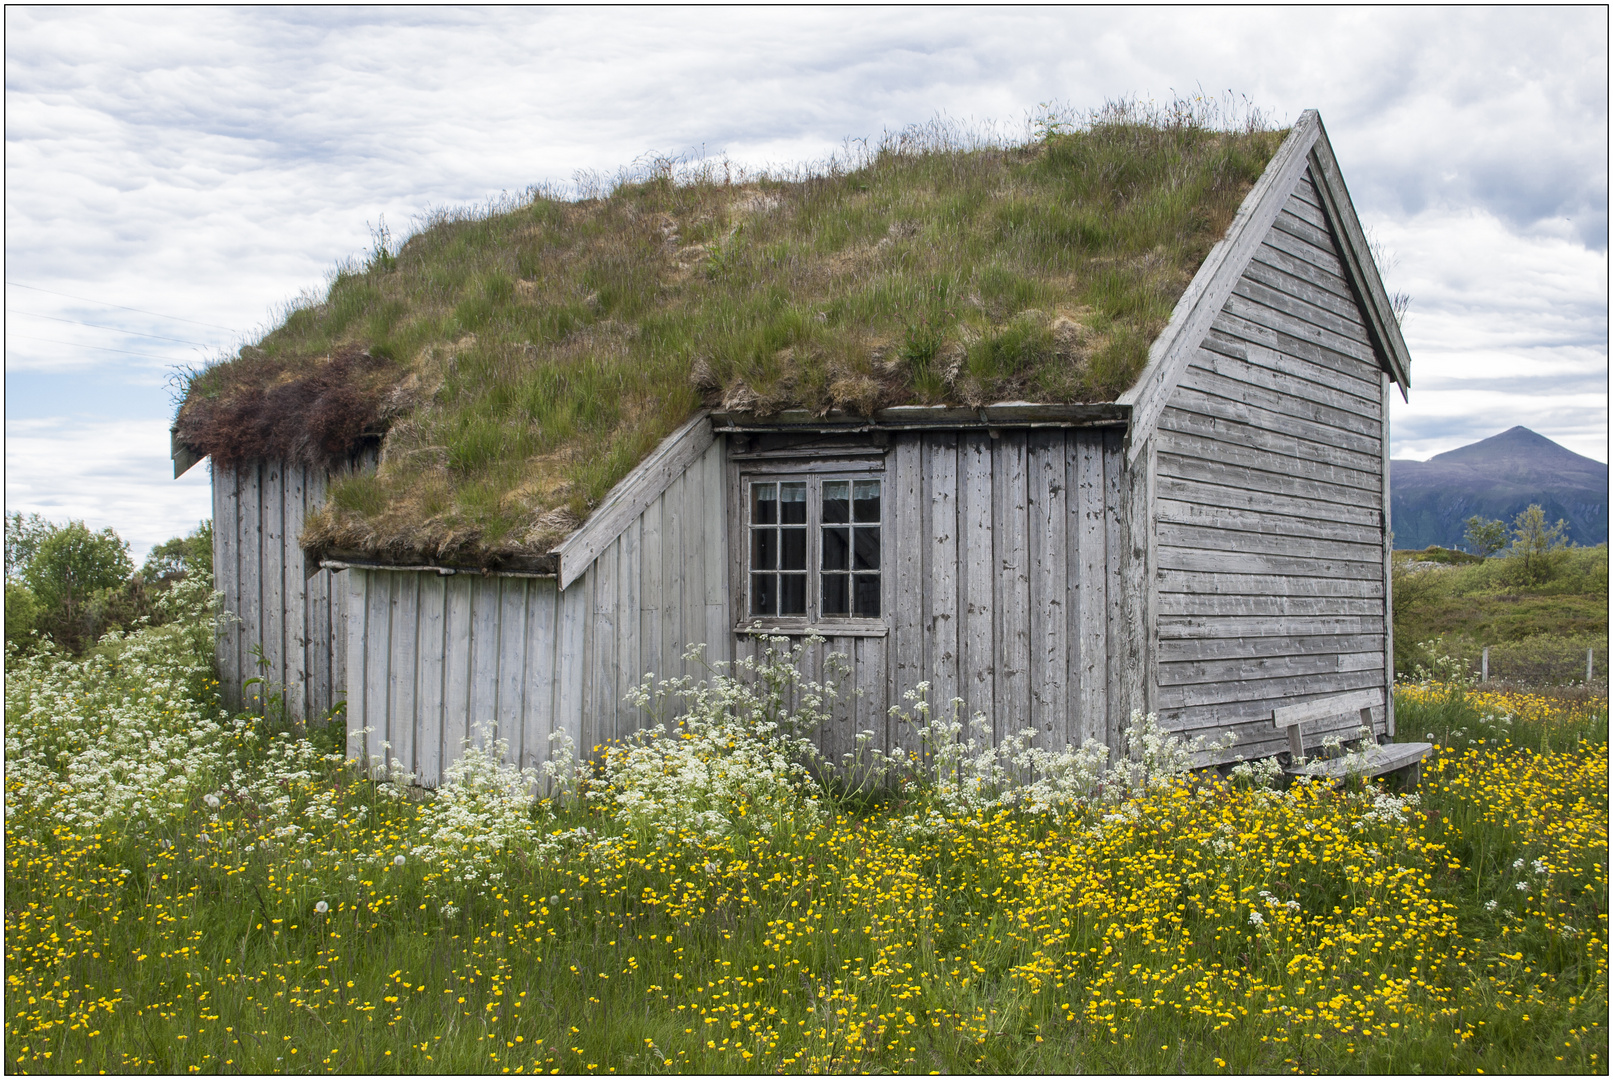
pixel 175 177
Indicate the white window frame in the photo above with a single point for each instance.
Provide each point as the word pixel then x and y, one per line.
pixel 814 476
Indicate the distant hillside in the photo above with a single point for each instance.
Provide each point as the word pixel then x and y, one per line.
pixel 1497 477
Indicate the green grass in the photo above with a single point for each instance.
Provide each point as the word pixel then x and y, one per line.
pixel 526 359
pixel 1537 631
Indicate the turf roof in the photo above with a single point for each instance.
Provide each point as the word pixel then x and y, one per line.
pixel 515 365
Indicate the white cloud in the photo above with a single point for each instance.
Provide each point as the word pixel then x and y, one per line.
pixel 102 473
pixel 212 163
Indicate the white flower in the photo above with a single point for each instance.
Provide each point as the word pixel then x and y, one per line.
pixel 1517 864
pixel 1522 886
pixel 321 907
pixel 449 911
pixel 202 837
pixel 1540 867
pixel 397 860
pixel 211 800
pixel 554 901
pixel 1490 905
pixel 1257 919
pixel 308 864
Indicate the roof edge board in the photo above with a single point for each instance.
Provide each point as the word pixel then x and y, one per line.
pixel 1358 261
pixel 631 495
pixel 1208 291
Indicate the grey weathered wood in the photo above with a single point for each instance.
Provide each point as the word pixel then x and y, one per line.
pixel 1201 583
pixel 1192 402
pixel 1319 280
pixel 1326 708
pixel 1239 626
pixel 1289 353
pixel 904 554
pixel 1304 447
pixel 1329 330
pixel 1244 562
pixel 430 753
pixel 1190 603
pixel 718 556
pixel 1011 599
pixel 1179 650
pixel 1092 621
pixel 358 738
pixel 979 573
pixel 1300 286
pixel 1301 251
pixel 484 660
pixel 1051 501
pixel 941 570
pixel 1233 388
pixel 1277 368
pixel 651 593
pixel 1214 280
pixel 604 580
pixel 1212 672
pixel 1223 494
pixel 513 604
pixel 226 577
pixel 1297 330
pixel 1240 520
pixel 1115 673
pixel 402 718
pixel 459 635
pixel 1363 273
pixel 1187 696
pixel 628 499
pixel 1188 467
pixel 1388 576
pixel 542 695
pixel 1266 543
pixel 671 599
pixel 1380 760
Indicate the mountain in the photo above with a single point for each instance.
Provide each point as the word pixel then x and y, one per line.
pixel 1496 477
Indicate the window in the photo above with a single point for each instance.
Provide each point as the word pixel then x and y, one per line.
pixel 814 548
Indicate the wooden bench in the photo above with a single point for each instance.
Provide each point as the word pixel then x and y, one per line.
pixel 1380 760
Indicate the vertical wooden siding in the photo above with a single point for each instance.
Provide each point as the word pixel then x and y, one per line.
pixel 258 511
pixel 440 659
pixel 1268 500
pixel 1003 561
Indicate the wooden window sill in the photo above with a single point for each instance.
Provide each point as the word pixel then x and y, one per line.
pixel 831 631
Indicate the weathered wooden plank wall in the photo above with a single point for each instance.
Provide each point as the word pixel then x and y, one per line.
pixel 258 510
pixel 437 660
pixel 1004 562
pixel 1268 507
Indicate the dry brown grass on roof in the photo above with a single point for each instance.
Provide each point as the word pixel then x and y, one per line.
pixel 524 361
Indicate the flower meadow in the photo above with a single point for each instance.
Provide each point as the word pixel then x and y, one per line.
pixel 188 891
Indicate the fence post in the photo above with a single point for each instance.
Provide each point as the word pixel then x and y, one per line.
pixel 1590 664
pixel 1484 666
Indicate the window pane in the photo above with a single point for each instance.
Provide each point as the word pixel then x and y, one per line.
pixel 836 549
pixel 867 595
pixel 867 541
pixel 764 594
pixel 866 506
pixel 836 501
pixel 792 498
pixel 765 509
pixel 835 598
pixel 764 549
pixel 792 594
pixel 793 554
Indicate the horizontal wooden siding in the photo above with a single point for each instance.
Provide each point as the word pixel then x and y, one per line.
pixel 1269 499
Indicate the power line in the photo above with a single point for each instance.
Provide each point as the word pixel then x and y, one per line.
pixel 97 348
pixel 117 329
pixel 102 303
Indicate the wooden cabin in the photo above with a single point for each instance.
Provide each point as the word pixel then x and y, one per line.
pixel 1210 544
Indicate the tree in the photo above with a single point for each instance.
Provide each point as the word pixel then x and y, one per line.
pixel 1533 541
pixel 70 564
pixel 1485 536
pixel 181 556
pixel 23 535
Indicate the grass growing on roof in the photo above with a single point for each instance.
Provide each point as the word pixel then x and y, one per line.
pixel 522 362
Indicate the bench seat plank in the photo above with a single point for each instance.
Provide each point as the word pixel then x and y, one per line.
pixel 1380 760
